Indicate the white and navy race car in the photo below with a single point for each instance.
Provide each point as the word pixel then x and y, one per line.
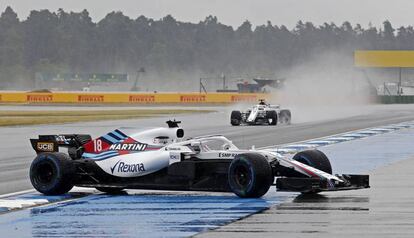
pixel 158 158
pixel 261 114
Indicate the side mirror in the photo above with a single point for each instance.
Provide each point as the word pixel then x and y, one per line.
pixel 225 147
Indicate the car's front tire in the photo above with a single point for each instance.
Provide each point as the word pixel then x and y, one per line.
pixel 271 117
pixel 52 173
pixel 314 158
pixel 250 175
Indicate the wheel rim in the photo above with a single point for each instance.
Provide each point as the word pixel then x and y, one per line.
pixel 242 176
pixel 45 173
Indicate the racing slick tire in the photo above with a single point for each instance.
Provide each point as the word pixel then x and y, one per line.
pixel 235 118
pixel 285 117
pixel 110 190
pixel 52 173
pixel 272 115
pixel 250 175
pixel 314 158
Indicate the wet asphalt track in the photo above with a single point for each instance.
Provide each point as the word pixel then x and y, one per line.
pixel 387 206
pixel 346 214
pixel 17 153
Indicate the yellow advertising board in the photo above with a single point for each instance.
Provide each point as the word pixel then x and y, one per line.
pixel 384 58
pixel 128 98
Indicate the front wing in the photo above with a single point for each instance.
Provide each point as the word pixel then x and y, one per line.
pixel 313 185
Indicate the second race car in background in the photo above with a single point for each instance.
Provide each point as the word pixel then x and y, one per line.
pixel 261 114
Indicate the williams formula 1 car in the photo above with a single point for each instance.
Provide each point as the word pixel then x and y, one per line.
pixel 158 158
pixel 261 114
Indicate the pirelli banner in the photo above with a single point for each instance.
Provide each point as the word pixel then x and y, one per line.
pixel 128 98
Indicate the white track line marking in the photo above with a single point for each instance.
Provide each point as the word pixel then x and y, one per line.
pixel 295 147
pixel 17 193
pixel 349 135
pixel 21 203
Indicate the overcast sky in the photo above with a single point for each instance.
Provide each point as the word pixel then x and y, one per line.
pixel 234 12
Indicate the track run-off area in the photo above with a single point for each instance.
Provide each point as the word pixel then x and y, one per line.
pixel 364 142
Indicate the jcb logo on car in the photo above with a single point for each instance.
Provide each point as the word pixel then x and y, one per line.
pixel 45 146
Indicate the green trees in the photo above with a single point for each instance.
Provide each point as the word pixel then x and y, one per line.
pixel 71 42
pixel 11 48
pixel 76 41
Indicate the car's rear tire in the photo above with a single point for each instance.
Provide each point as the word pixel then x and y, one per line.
pixel 285 117
pixel 314 158
pixel 235 118
pixel 271 117
pixel 110 190
pixel 52 173
pixel 250 175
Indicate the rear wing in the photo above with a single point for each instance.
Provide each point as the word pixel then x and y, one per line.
pixel 51 143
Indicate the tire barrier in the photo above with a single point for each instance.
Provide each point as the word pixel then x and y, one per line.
pixel 128 98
